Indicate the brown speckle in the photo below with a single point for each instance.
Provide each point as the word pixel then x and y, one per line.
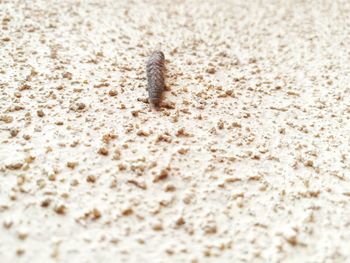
pixel 40 113
pixel 161 176
pixel 60 209
pixel 103 151
pixel 91 179
pixel 72 165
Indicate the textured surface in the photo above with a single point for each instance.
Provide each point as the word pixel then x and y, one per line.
pixel 248 160
pixel 155 77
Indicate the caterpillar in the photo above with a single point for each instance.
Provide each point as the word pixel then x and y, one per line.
pixel 155 77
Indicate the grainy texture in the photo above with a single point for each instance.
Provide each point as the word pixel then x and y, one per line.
pixel 248 160
pixel 155 77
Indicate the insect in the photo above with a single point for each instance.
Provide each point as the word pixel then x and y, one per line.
pixel 155 77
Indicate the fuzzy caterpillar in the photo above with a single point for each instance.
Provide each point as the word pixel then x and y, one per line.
pixel 155 77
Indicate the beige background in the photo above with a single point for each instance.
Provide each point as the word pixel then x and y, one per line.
pixel 247 161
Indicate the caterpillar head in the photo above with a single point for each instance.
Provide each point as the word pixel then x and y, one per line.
pixel 159 54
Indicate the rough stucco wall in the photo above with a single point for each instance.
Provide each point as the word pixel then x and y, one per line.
pixel 247 161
